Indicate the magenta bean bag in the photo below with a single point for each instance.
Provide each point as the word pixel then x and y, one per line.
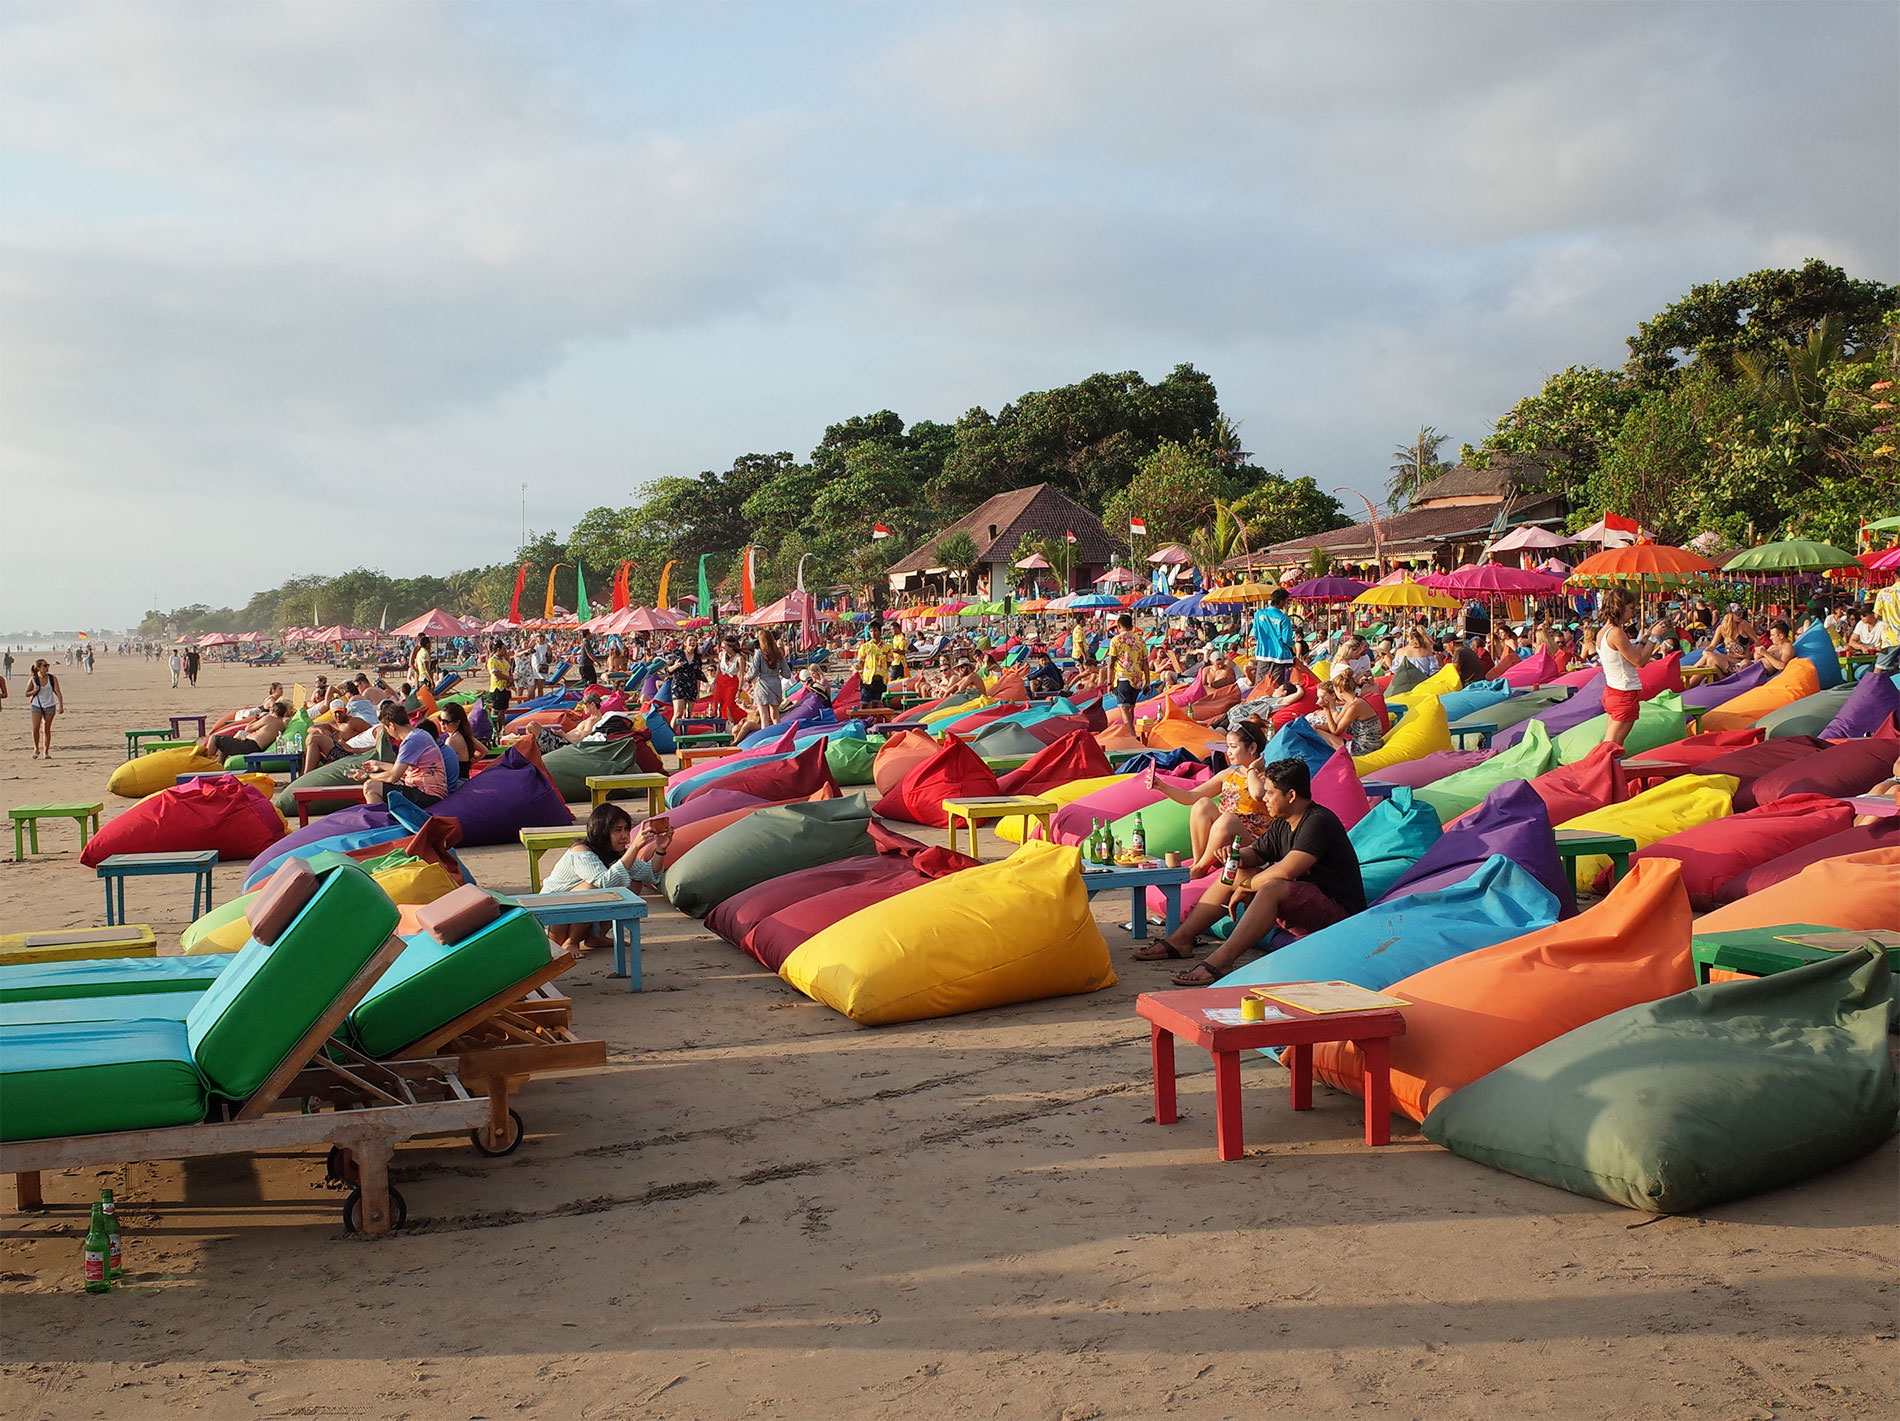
pixel 223 814
pixel 1072 820
pixel 794 777
pixel 1855 839
pixel 1874 698
pixel 1533 670
pixel 1662 674
pixel 1337 787
pixel 1594 782
pixel 711 802
pixel 1751 762
pixel 1841 771
pixel 1711 854
pixel 1428 769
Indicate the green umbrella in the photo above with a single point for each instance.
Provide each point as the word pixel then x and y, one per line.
pixel 1884 524
pixel 1794 555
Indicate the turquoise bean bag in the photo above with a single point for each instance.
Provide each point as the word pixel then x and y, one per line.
pixel 1391 838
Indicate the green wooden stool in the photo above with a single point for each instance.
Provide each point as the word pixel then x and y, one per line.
pixel 133 737
pixel 149 746
pixel 1573 844
pixel 703 737
pixel 1760 952
pixel 539 841
pixel 26 822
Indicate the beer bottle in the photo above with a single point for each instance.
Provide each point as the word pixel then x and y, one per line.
pixel 97 1251
pixel 1230 871
pixel 1138 845
pixel 115 1238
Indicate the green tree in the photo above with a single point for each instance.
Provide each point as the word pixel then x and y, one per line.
pixel 1568 424
pixel 1174 491
pixel 1216 541
pixel 1279 508
pixel 957 551
pixel 1414 465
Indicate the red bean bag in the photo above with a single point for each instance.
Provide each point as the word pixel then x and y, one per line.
pixel 1468 1016
pixel 1753 761
pixel 798 776
pixel 1854 891
pixel 1855 839
pixel 1056 726
pixel 1583 785
pixel 1075 756
pixel 1662 674
pixel 1713 853
pixel 898 756
pixel 1850 768
pixel 953 772
pixel 223 814
pixel 1693 750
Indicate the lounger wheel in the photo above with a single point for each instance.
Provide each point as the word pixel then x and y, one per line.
pixel 516 1132
pixel 353 1211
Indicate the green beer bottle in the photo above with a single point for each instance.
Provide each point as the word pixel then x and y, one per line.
pixel 115 1239
pixel 97 1251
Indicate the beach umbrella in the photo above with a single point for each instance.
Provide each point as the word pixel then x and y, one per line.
pixel 1151 601
pixel 1121 577
pixel 1649 564
pixel 1194 605
pixel 1888 561
pixel 1884 525
pixel 1437 581
pixel 1034 604
pixel 1598 533
pixel 1527 537
pixel 1790 555
pixel 1404 594
pixel 434 622
pixel 1034 560
pixel 1330 588
pixel 1089 601
pixel 1495 577
pixel 1169 555
pixel 1556 567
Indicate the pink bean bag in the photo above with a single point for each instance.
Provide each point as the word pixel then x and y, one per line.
pixel 1662 674
pixel 223 814
pixel 1072 820
pixel 1751 762
pixel 797 777
pixel 772 920
pixel 1711 854
pixel 954 772
pixel 1533 670
pixel 1337 786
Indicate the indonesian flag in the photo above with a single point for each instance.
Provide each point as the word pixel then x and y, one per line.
pixel 1617 523
pixel 1136 526
pixel 878 531
pixel 1070 535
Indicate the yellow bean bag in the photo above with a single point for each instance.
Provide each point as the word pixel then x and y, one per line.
pixel 1669 808
pixel 1012 829
pixel 148 774
pixel 419 882
pixel 1441 682
pixel 1799 680
pixel 974 703
pixel 1423 731
pixel 1015 931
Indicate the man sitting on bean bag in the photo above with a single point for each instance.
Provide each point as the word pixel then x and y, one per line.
pixel 1304 876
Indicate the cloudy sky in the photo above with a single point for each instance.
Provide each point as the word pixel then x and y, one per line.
pixel 290 288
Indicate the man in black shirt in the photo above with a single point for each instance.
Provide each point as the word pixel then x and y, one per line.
pixel 1305 875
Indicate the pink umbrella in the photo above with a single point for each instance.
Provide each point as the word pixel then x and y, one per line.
pixel 1441 581
pixel 792 607
pixel 434 622
pixel 1493 577
pixel 1034 560
pixel 1888 561
pixel 1173 555
pixel 1520 539
pixel 1121 576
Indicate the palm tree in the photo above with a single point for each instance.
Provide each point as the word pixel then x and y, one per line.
pixel 1417 464
pixel 1216 542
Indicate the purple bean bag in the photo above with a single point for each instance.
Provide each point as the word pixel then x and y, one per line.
pixel 713 802
pixel 1586 704
pixel 1751 762
pixel 359 824
pixel 1711 854
pixel 1711 694
pixel 1511 821
pixel 1874 699
pixel 1857 839
pixel 1427 769
pixel 1840 771
pixel 510 795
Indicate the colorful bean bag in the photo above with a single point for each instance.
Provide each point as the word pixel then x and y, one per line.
pixel 898 756
pixel 772 920
pixel 1713 1094
pixel 1749 763
pixel 1594 782
pixel 1075 756
pixel 1013 931
pixel 954 772
pixel 1658 722
pixel 1855 839
pixel 1525 705
pixel 703 776
pixel 1873 699
pixel 1711 694
pixel 793 777
pixel 712 803
pixel 148 774
pixel 221 814
pixel 1694 750
pixel 1511 822
pixel 1534 670
pixel 1422 731
pixel 1441 682
pixel 512 794
pixel 1067 814
pixel 850 760
pixel 337 772
pixel 1455 794
pixel 1712 854
pixel 1816 647
pixel 1164 826
pixel 570 766
pixel 1860 890
pixel 764 844
pixel 1840 771
pixel 1297 740
pixel 1467 1017
pixel 1430 769
pixel 1798 680
pixel 1668 808
pixel 1410 932
pixel 1392 837
pixel 1810 715
pixel 1339 788
pixel 1479 696
pixel 1002 740
pixel 1585 705
pixel 1106 798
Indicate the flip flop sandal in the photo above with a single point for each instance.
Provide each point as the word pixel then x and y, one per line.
pixel 1163 952
pixel 1214 974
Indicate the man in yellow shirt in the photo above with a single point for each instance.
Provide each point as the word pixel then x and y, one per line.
pixel 872 662
pixel 1126 668
pixel 501 681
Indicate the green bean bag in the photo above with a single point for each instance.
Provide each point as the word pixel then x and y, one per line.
pixel 1164 824
pixel 1526 705
pixel 337 772
pixel 767 843
pixel 572 764
pixel 850 760
pixel 1683 1103
pixel 1658 722
pixel 1808 716
pixel 1456 793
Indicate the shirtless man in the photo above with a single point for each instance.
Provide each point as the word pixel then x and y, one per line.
pixel 324 743
pixel 257 737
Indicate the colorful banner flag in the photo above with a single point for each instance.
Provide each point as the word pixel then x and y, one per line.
pixel 1070 536
pixel 879 532
pixel 521 581
pixel 707 607
pixel 666 576
pixel 623 595
pixel 746 607
pixel 581 609
pixel 1138 527
pixel 547 611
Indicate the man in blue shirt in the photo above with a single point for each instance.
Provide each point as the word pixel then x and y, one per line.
pixel 1273 637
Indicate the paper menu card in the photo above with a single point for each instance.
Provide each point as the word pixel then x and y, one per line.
pixel 1328 996
pixel 1844 939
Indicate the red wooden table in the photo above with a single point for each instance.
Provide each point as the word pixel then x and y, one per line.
pixel 1184 1014
pixel 1642 771
pixel 326 794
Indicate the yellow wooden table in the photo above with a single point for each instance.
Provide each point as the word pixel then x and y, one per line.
pixel 976 809
pixel 77 944
pixel 693 754
pixel 539 841
pixel 600 786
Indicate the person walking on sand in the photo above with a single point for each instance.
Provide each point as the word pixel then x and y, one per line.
pixel 44 700
pixel 178 666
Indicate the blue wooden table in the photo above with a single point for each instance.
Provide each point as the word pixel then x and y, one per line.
pixel 120 867
pixel 620 906
pixel 269 762
pixel 1100 878
pixel 1483 729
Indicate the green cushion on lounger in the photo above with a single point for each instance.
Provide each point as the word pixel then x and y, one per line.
pixel 1709 1095
pixel 110 977
pixel 572 764
pixel 91 1077
pixel 271 994
pixel 430 985
pixel 141 1006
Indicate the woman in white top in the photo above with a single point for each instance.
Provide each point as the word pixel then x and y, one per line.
pixel 44 700
pixel 1621 659
pixel 611 855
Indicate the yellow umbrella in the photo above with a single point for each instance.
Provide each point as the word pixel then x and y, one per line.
pixel 1403 594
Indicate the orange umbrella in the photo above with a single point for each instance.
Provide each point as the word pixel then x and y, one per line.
pixel 1653 563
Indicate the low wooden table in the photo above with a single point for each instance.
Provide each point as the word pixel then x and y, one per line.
pixel 1642 771
pixel 120 867
pixel 179 722
pixel 1573 844
pixel 326 794
pixel 620 906
pixel 1101 878
pixel 26 822
pixel 600 786
pixel 539 841
pixel 692 755
pixel 77 944
pixel 1185 1014
pixel 133 737
pixel 702 737
pixel 976 809
pixel 1760 952
pixel 269 762
pixel 1483 729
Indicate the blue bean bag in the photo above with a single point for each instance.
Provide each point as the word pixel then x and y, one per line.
pixel 1478 696
pixel 1296 740
pixel 1818 647
pixel 1391 838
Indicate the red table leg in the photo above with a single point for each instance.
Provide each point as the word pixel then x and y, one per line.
pixel 1299 1060
pixel 1161 1046
pixel 1227 1130
pixel 1378 1075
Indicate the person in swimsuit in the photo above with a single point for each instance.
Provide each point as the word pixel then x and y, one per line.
pixel 1221 806
pixel 44 700
pixel 1349 720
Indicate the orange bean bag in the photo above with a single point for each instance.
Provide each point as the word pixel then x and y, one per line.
pixel 1176 730
pixel 1466 1017
pixel 1853 891
pixel 898 756
pixel 954 772
pixel 1799 680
